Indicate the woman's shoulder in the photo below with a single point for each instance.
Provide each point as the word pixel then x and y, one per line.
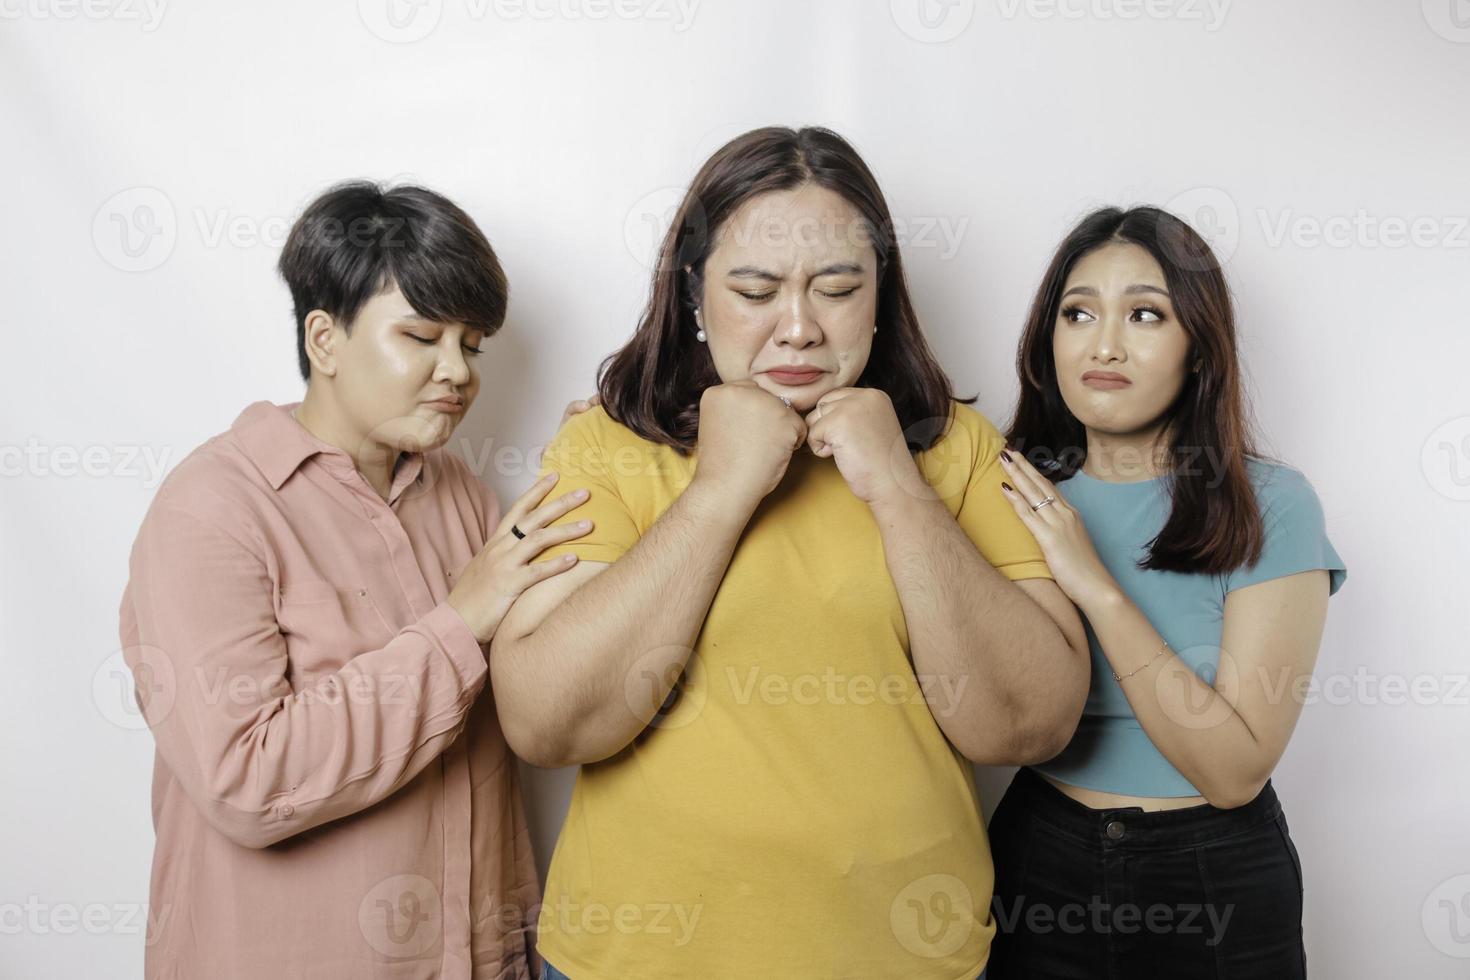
pixel 972 427
pixel 966 440
pixel 596 427
pixel 593 420
pixel 593 445
pixel 213 489
pixel 215 477
pixel 1281 488
pixel 1295 525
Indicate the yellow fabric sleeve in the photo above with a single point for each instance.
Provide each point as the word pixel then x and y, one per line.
pixel 986 515
pixel 586 455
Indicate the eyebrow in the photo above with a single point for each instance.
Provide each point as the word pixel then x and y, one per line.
pixel 835 269
pixel 1137 287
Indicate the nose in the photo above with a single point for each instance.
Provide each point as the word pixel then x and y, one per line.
pixel 452 367
pixel 798 327
pixel 1107 344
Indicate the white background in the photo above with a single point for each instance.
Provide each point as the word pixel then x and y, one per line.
pixel 155 157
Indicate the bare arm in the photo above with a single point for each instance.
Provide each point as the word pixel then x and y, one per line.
pixel 584 660
pixel 582 664
pixel 1225 738
pixel 1015 654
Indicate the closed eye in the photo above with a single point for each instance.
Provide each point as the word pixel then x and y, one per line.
pixel 431 342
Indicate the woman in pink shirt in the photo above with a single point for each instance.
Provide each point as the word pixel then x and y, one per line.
pixel 310 600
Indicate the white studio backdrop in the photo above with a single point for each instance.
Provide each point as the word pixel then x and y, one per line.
pixel 157 150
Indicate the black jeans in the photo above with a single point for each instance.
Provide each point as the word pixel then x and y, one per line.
pixel 1124 894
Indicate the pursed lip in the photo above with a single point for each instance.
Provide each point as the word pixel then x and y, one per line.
pixel 795 370
pixel 447 404
pixel 1107 376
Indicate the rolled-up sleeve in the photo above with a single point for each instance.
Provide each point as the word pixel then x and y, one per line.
pixel 262 761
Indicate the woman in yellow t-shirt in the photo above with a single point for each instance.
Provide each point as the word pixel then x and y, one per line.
pixel 802 606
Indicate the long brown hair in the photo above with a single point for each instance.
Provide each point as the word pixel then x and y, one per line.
pixel 653 384
pixel 1215 523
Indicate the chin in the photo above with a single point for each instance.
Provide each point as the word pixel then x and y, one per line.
pixel 803 398
pixel 423 434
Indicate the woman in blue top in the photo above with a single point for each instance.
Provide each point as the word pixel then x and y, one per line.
pixel 1154 844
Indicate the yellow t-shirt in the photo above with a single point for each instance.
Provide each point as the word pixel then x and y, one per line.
pixel 796 811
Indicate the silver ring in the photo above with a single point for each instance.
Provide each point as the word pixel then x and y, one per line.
pixel 1048 500
pixel 786 400
pixel 517 531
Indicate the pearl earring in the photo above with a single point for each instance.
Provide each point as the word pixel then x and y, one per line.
pixel 699 334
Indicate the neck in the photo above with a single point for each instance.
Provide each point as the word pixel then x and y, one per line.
pixel 375 461
pixel 1127 457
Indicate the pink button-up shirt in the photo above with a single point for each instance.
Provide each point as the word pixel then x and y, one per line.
pixel 332 794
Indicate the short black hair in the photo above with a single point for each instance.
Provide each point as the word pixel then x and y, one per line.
pixel 361 238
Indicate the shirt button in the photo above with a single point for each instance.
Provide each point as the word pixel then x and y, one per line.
pixel 285 810
pixel 1114 829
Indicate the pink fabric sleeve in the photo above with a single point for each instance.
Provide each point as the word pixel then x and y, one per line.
pixel 260 761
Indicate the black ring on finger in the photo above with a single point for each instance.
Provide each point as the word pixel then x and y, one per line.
pixel 517 531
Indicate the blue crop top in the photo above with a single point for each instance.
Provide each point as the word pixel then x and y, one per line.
pixel 1110 750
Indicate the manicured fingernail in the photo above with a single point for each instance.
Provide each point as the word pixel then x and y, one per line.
pixel 584 523
pixel 1008 487
pixel 1005 455
pixel 581 494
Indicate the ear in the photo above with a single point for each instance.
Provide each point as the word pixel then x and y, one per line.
pixel 320 338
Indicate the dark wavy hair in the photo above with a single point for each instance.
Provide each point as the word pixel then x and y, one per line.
pixel 1215 523
pixel 359 239
pixel 653 384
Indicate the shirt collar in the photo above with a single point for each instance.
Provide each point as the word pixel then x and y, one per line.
pixel 278 444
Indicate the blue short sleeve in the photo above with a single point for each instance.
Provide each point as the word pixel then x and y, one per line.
pixel 1296 533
